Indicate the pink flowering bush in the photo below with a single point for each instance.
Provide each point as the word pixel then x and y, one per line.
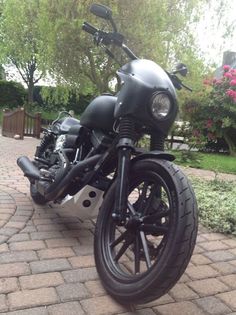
pixel 214 114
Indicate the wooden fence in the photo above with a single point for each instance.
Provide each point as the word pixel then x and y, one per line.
pixel 19 122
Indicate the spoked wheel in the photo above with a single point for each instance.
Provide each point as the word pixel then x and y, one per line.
pixel 144 257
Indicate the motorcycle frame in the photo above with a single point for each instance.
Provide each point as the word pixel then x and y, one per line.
pixel 127 154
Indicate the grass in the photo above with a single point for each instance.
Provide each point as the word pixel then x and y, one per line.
pixel 217 204
pixel 221 163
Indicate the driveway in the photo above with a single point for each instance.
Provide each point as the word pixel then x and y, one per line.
pixel 47 264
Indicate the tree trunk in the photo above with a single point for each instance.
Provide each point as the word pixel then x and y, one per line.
pixel 31 92
pixel 230 138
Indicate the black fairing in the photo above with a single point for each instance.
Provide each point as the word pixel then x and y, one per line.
pixel 139 80
pixel 63 125
pixel 100 113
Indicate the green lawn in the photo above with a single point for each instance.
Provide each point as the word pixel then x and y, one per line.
pixel 208 161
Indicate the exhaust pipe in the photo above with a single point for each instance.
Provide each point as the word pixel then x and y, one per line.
pixel 29 169
pixel 58 187
pixel 54 190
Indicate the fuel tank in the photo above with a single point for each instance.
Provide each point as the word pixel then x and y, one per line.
pixel 63 125
pixel 99 114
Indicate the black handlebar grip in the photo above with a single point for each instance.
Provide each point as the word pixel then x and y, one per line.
pixel 89 28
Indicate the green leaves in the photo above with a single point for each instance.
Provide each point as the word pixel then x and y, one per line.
pixel 217 204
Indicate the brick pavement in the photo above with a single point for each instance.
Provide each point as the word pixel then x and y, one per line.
pixel 47 264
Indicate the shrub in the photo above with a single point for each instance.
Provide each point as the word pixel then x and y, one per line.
pixel 12 94
pixel 214 114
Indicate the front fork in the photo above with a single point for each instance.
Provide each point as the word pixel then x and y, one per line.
pixel 125 147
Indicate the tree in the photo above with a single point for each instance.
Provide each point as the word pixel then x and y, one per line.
pixel 21 42
pixel 215 115
pixel 157 30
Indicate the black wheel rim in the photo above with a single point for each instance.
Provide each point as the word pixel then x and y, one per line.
pixel 131 251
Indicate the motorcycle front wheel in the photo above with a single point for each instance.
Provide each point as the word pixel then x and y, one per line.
pixel 143 259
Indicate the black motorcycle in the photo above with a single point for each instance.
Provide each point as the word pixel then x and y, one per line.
pixel 146 226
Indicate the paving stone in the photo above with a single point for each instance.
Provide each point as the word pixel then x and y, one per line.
pixel 62 242
pixel 95 287
pixel 45 235
pixel 14 270
pixel 214 245
pixel 41 280
pixel 88 241
pixel 72 291
pixel 103 305
pixel 2 223
pixel 4 248
pixel 229 298
pixel 20 218
pixel 146 311
pixel 17 256
pixel 65 220
pixel 3 239
pixel 182 292
pixel 213 236
pixel 80 275
pixel 50 227
pixel 8 231
pixel 180 308
pixel 29 311
pixel 69 308
pixel 83 250
pixel 199 259
pixel 15 224
pixel 219 255
pixel 3 303
pixel 49 265
pixel 230 242
pixel 224 267
pixel 29 228
pixel 5 216
pixel 42 221
pixel 201 272
pixel 7 211
pixel 60 252
pixel 19 237
pixel 78 233
pixel 229 280
pixel 82 261
pixel 165 299
pixel 44 215
pixel 184 278
pixel 233 251
pixel 233 262
pixel 27 245
pixel 213 306
pixel 208 286
pixel 8 285
pixel 30 298
pixel 201 238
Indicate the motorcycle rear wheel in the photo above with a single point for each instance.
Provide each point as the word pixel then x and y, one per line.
pixel 144 259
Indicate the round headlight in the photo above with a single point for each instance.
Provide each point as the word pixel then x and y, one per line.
pixel 160 106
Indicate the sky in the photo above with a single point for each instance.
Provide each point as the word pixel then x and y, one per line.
pixel 210 36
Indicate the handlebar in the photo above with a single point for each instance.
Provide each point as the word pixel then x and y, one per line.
pixel 89 28
pixel 108 38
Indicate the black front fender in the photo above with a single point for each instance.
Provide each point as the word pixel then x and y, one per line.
pixel 154 154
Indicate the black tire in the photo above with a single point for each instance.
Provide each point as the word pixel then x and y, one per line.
pixel 36 196
pixel 168 247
